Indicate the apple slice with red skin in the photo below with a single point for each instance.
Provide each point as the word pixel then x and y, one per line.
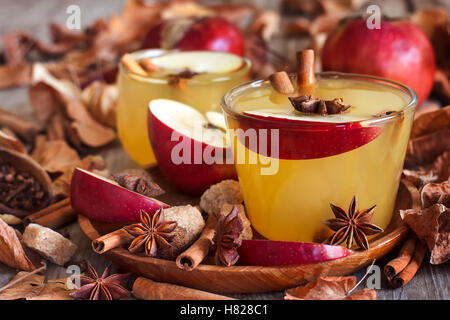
pixel 170 124
pixel 283 253
pixel 300 139
pixel 99 198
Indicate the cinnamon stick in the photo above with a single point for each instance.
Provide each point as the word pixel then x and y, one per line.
pixel 111 240
pixel 53 216
pixel 410 270
pixel 196 253
pixel 27 130
pixel 305 72
pixel 405 255
pixel 147 289
pixel 148 65
pixel 281 82
pixel 129 63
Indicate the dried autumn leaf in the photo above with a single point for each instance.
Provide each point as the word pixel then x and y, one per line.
pixel 433 193
pixel 430 122
pixel 11 250
pixel 179 10
pixel 424 149
pixel 10 141
pixel 100 99
pixel 330 288
pixel 429 19
pixel 15 75
pixel 34 288
pixel 61 186
pixel 91 133
pixel 430 107
pixel 433 226
pixel 438 171
pixel 442 85
pixel 266 23
pixel 54 156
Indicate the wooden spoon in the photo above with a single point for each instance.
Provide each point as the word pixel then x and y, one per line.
pixel 25 163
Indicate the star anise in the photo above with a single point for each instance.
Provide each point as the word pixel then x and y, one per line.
pixel 151 233
pixel 352 224
pixel 107 287
pixel 308 105
pixel 139 182
pixel 228 239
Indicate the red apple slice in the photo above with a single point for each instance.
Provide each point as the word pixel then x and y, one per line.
pixel 283 253
pixel 102 199
pixel 190 154
pixel 311 138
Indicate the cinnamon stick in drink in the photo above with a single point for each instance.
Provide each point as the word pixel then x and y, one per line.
pixel 306 80
pixel 405 255
pixel 196 253
pixel 410 270
pixel 53 216
pixel 111 240
pixel 147 289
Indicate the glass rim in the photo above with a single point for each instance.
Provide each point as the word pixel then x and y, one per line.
pixel 411 105
pixel 215 77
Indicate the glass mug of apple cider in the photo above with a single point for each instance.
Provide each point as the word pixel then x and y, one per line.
pixel 311 160
pixel 196 78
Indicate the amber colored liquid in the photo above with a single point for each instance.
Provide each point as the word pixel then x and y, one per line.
pixel 203 92
pixel 291 204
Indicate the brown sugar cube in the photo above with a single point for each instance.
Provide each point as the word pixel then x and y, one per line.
pixel 247 233
pixel 190 224
pixel 226 191
pixel 49 243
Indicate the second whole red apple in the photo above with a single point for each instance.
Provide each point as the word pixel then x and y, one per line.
pixel 398 50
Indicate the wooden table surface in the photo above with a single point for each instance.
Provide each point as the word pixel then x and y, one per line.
pixel 431 282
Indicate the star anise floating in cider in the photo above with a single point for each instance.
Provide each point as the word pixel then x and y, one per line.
pixel 353 224
pixel 151 233
pixel 306 104
pixel 107 287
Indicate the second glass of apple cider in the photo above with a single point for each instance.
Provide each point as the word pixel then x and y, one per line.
pixel 196 78
pixel 311 161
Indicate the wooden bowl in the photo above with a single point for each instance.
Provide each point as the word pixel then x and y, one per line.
pixel 248 279
pixel 25 163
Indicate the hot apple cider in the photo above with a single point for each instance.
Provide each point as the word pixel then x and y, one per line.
pixel 196 78
pixel 294 159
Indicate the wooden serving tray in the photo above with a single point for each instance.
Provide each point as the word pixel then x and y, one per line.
pixel 251 279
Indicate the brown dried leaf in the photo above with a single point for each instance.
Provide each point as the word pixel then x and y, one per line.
pixel 330 288
pixel 100 99
pixel 90 132
pixel 180 10
pixel 15 75
pixel 433 193
pixel 439 171
pixel 11 250
pixel 430 122
pixel 35 288
pixel 9 141
pixel 61 186
pixel 54 156
pixel 429 19
pixel 424 149
pixel 266 23
pixel 442 85
pixel 433 226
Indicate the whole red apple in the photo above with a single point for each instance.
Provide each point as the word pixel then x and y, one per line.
pixel 398 50
pixel 213 33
